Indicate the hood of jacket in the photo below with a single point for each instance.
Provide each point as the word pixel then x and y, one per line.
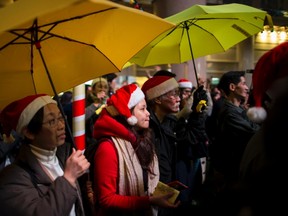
pixel 106 125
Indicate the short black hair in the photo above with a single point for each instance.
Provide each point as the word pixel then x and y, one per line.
pixel 228 78
pixel 164 73
pixel 109 77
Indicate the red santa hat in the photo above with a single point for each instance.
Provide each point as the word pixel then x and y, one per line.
pixel 123 100
pixel 271 68
pixel 158 85
pixel 19 113
pixel 184 83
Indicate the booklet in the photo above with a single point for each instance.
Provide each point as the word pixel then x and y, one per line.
pixel 162 189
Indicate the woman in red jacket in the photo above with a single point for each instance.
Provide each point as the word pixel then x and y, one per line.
pixel 126 168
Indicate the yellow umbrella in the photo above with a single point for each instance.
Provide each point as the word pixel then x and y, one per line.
pixel 201 30
pixel 49 46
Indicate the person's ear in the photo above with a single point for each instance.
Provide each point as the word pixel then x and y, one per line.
pixel 157 101
pixel 232 87
pixel 27 133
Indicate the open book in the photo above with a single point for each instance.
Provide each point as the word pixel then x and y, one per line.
pixel 163 189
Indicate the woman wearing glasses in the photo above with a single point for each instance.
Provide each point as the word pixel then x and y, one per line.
pixel 43 179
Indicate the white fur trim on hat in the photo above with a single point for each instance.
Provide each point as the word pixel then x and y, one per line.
pixel 257 114
pixel 162 88
pixel 30 110
pixel 135 97
pixel 185 84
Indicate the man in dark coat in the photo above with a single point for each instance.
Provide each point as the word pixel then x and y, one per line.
pixel 163 100
pixel 234 130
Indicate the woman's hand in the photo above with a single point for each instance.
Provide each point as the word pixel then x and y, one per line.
pixel 76 165
pixel 163 201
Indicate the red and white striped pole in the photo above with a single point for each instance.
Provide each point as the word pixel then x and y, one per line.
pixel 79 116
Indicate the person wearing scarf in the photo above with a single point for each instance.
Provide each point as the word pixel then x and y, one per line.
pixel 126 170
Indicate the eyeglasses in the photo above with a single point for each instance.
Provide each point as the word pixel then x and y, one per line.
pixel 55 121
pixel 173 93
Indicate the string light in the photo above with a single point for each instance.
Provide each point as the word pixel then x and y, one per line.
pixel 275 35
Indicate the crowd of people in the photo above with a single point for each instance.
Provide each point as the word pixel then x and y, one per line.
pixel 224 144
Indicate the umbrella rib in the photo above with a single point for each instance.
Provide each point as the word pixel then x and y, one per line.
pixel 77 17
pixel 189 23
pixel 72 40
pixel 194 20
pixel 64 38
pixel 14 31
pixel 15 39
pixel 170 32
pixel 54 24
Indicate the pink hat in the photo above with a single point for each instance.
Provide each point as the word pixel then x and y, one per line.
pixel 184 83
pixel 158 85
pixel 18 114
pixel 271 67
pixel 123 100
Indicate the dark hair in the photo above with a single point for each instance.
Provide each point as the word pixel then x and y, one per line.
pixel 145 149
pixel 110 77
pixel 66 98
pixel 228 78
pixel 35 125
pixel 164 73
pixel 144 146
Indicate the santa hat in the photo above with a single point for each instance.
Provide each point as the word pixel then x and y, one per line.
pixel 123 100
pixel 184 83
pixel 158 85
pixel 270 68
pixel 18 114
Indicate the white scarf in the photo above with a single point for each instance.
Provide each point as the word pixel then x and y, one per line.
pixel 50 162
pixel 130 171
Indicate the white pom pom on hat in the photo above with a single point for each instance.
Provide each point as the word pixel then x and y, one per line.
pixel 271 67
pixel 123 100
pixel 257 114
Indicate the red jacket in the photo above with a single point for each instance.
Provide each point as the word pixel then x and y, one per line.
pixel 106 173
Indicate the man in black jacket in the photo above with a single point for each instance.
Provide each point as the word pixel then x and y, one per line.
pixel 170 131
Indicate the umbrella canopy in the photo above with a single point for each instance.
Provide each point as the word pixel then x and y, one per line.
pixel 49 46
pixel 201 30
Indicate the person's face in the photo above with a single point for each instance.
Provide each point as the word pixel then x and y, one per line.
pixel 170 101
pixel 241 89
pixel 201 81
pixel 186 93
pixel 113 84
pixel 52 133
pixel 100 87
pixel 141 113
pixel 217 94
